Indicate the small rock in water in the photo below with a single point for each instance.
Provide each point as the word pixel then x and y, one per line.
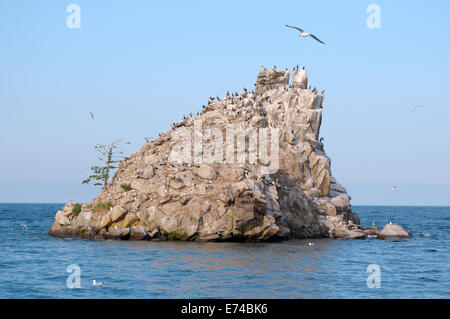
pixel 393 231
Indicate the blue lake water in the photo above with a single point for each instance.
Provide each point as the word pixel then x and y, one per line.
pixel 33 264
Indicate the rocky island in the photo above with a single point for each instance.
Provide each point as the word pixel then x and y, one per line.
pixel 156 196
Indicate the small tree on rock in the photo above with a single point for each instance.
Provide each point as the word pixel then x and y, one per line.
pixel 110 155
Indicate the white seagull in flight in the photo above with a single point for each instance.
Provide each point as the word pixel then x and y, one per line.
pixel 304 34
pixel 393 188
pixel 92 115
pixel 417 107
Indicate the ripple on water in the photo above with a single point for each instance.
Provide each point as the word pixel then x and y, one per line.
pixel 33 264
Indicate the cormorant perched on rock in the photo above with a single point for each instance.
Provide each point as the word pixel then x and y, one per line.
pixel 323 91
pixel 211 98
pixel 321 140
pixel 297 66
pixel 309 88
pixel 218 99
pixel 228 93
pixel 303 67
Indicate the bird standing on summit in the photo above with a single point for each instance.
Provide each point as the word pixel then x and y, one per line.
pixel 304 34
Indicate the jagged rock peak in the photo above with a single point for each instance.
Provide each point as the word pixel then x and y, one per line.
pixel 210 193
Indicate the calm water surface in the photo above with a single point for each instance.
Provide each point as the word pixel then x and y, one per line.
pixel 33 264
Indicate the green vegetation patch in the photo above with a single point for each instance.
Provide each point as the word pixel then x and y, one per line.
pixel 126 187
pixel 76 209
pixel 102 207
pixel 176 236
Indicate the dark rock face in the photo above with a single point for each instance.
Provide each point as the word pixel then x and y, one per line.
pixel 295 196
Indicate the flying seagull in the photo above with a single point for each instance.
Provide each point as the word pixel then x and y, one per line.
pixel 304 34
pixel 24 226
pixel 417 107
pixel 92 115
pixel 393 188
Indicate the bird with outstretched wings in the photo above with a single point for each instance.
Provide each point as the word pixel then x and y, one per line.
pixel 304 34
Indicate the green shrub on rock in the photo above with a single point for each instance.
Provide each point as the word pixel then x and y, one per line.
pixel 126 187
pixel 76 209
pixel 102 207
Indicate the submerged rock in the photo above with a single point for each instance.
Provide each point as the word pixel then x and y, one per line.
pixel 213 194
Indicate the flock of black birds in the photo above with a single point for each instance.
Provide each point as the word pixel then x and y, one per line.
pixel 234 95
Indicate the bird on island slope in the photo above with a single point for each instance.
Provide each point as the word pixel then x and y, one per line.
pixel 304 34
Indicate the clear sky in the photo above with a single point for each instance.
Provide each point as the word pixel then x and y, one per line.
pixel 140 65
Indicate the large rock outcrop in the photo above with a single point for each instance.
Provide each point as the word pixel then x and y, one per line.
pixel 288 192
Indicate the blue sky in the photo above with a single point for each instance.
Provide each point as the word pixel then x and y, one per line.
pixel 140 65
